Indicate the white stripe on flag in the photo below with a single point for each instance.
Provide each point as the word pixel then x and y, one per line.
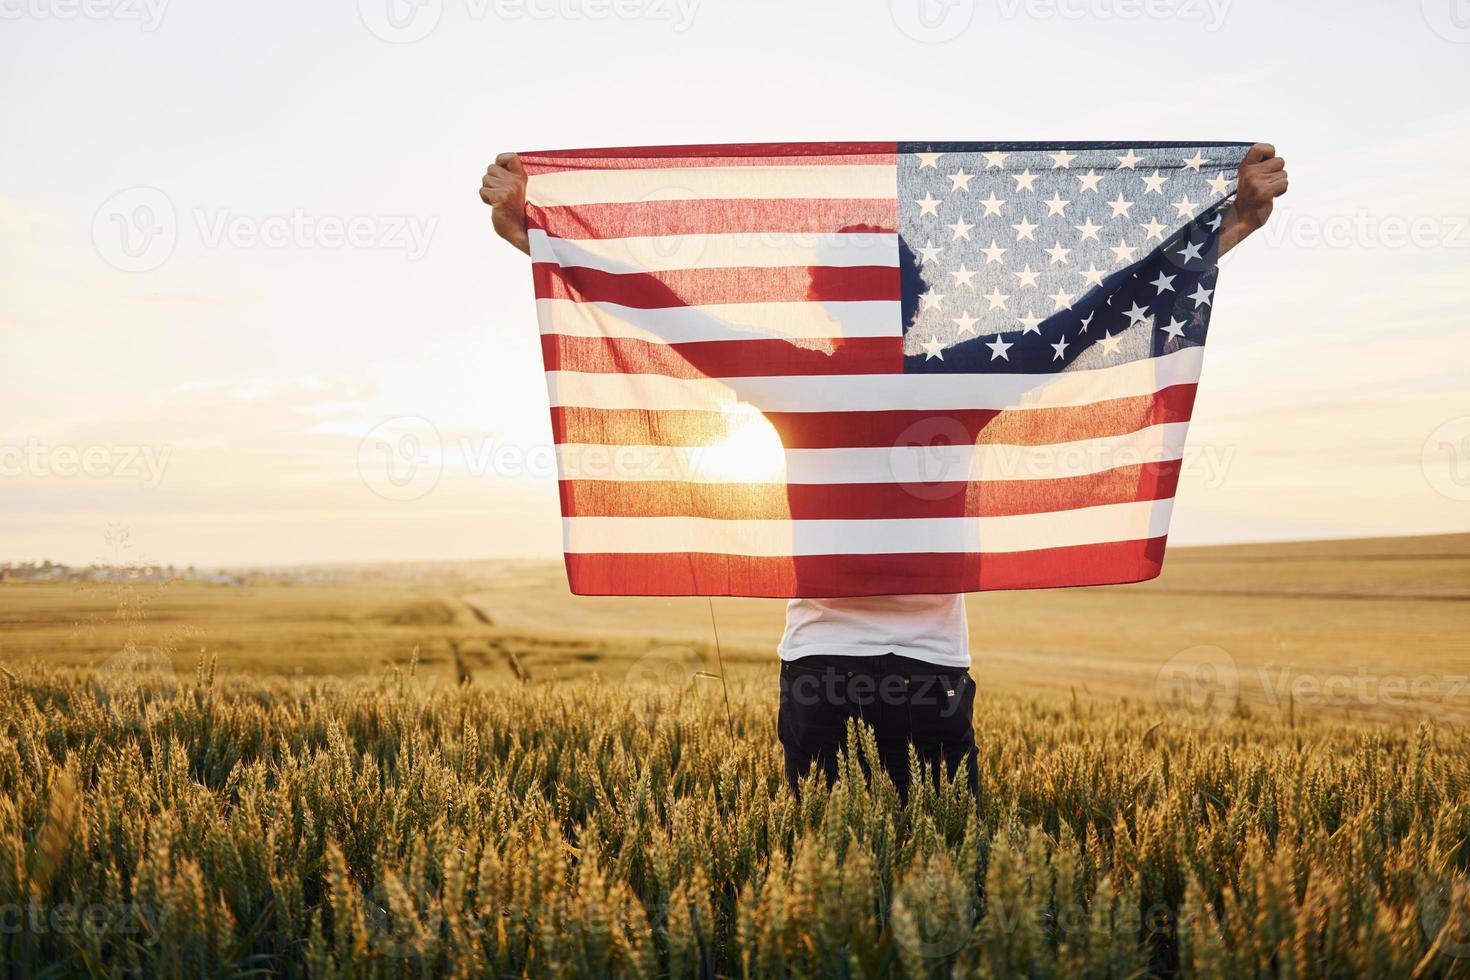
pixel 1025 532
pixel 573 187
pixel 765 250
pixel 877 392
pixel 887 464
pixel 728 321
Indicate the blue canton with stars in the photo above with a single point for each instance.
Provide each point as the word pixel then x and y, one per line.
pixel 1035 258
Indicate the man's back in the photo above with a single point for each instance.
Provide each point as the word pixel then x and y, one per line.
pixel 930 628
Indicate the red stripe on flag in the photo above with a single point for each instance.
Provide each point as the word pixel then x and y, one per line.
pixel 722 358
pixel 715 217
pixel 866 501
pixel 541 165
pixel 708 287
pixel 709 155
pixel 687 573
pixel 834 430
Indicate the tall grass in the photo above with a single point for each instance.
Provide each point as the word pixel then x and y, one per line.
pixel 226 826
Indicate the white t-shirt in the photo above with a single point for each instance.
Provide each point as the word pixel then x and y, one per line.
pixel 931 628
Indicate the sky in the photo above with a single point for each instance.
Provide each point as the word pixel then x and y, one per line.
pixel 245 273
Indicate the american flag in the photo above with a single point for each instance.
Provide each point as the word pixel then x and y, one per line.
pixel 838 369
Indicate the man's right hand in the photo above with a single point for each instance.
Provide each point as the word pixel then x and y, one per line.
pixel 504 189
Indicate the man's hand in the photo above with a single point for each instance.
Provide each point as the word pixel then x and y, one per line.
pixel 504 189
pixel 1260 180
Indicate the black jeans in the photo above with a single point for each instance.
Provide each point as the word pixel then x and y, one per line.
pixel 905 701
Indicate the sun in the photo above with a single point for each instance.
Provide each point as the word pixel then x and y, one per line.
pixel 751 452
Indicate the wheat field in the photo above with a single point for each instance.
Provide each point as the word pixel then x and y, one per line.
pixel 1255 766
pixel 167 823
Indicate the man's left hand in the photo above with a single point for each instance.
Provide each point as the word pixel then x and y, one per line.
pixel 1259 181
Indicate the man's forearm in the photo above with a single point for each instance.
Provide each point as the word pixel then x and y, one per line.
pixel 1233 230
